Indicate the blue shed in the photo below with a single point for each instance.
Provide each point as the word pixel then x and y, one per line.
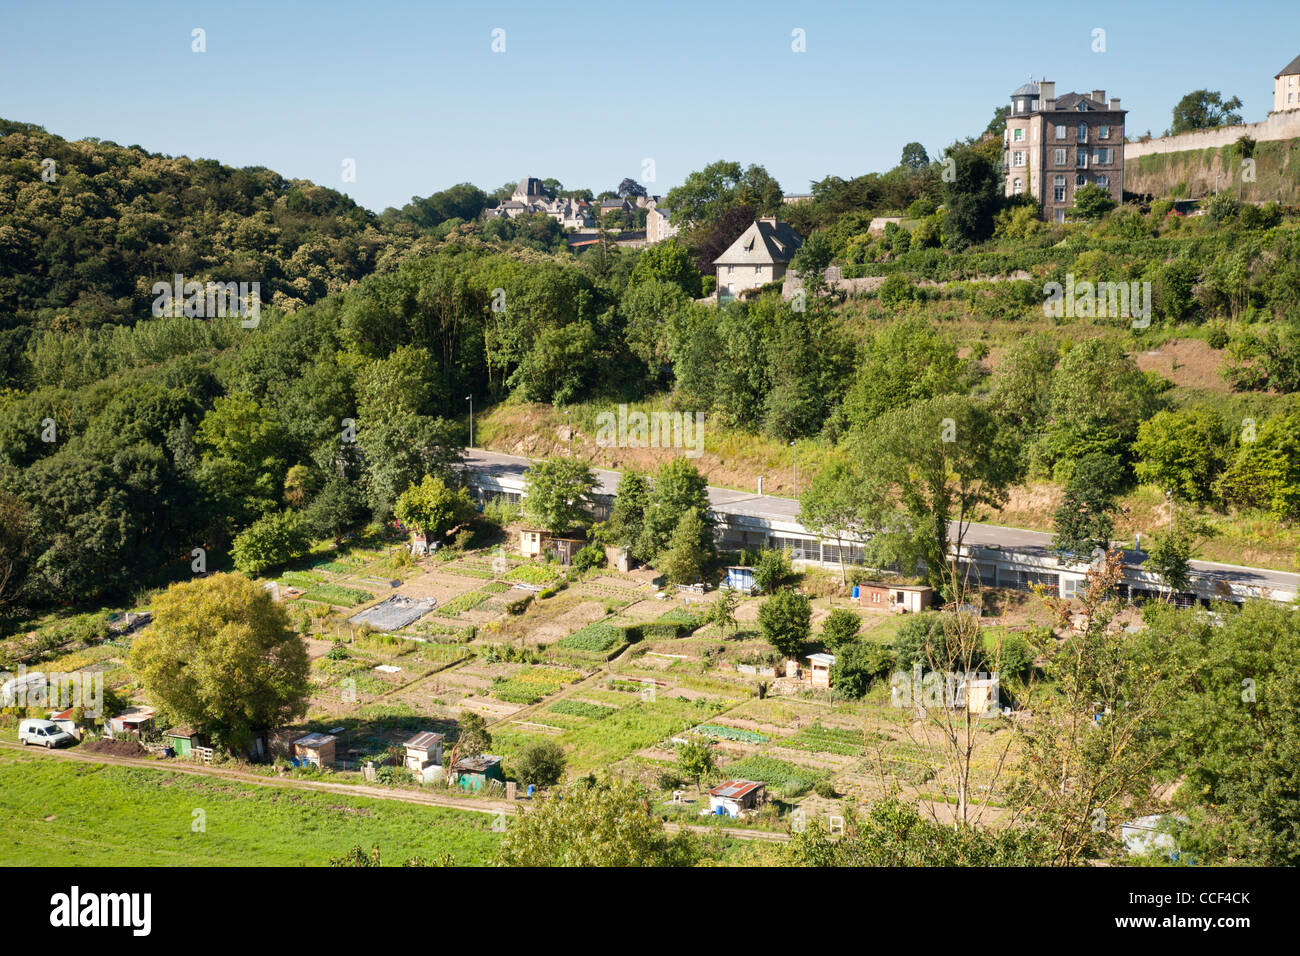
pixel 740 578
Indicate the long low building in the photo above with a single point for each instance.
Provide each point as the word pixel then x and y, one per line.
pixel 1000 557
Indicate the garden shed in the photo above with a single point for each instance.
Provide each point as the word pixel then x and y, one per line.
pixel 423 749
pixel 474 773
pixel 740 578
pixel 819 670
pixel 898 598
pixel 732 797
pixel 184 739
pixel 315 749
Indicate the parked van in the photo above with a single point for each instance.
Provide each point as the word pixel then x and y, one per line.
pixel 43 732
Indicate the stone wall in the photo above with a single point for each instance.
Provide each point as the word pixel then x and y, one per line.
pixel 1277 126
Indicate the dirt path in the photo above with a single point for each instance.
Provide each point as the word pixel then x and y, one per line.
pixel 345 789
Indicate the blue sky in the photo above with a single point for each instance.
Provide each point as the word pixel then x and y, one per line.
pixel 586 91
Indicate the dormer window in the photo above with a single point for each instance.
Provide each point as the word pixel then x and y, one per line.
pixel 1083 107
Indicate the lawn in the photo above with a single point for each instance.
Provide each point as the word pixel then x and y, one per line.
pixel 63 813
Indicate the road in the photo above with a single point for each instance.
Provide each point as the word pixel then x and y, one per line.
pixel 772 508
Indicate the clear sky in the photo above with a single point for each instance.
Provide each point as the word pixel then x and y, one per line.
pixel 587 91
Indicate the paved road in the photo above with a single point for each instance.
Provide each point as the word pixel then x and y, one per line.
pixel 773 508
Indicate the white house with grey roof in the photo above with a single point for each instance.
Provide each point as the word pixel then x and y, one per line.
pixel 761 255
pixel 1286 87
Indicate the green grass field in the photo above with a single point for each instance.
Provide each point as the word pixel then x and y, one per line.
pixel 124 816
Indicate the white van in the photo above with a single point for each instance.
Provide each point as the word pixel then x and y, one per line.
pixel 44 732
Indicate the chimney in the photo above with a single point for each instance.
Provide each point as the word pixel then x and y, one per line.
pixel 771 220
pixel 1099 96
pixel 1046 96
pixel 1114 103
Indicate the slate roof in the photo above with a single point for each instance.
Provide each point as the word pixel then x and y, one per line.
pixel 1069 102
pixel 765 242
pixel 1291 69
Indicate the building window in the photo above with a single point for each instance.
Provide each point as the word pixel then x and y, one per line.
pixel 1060 215
pixel 758 270
pixel 1033 105
pixel 1083 107
pixel 1019 135
pixel 1018 187
pixel 1103 182
pixel 1080 180
pixel 1059 191
pixel 1103 132
pixel 1083 133
pixel 1081 159
pixel 1060 157
pixel 730 269
pixel 1017 158
pixel 1060 132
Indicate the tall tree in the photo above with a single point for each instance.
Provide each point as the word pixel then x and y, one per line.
pixel 1203 109
pixel 220 655
pixel 557 494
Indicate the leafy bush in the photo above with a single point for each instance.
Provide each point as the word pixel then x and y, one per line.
pixel 840 628
pixel 589 558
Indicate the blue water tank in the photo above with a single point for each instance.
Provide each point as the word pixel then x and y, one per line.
pixel 857 592
pixel 531 789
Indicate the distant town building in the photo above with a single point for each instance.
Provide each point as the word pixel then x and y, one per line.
pixel 1286 87
pixel 761 255
pixel 1053 146
pixel 657 226
pixel 530 197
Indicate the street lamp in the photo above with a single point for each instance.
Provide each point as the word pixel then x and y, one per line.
pixel 569 412
pixel 470 399
pixel 796 468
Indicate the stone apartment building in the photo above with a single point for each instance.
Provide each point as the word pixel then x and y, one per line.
pixel 1286 87
pixel 657 224
pixel 1053 146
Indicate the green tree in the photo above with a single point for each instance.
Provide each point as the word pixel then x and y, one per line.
pixel 1265 473
pixel 930 467
pixel 907 361
pixel 683 561
pixel 840 628
pixel 627 515
pixel 1092 202
pixel 695 759
pixel 540 763
pixel 668 261
pixel 1169 555
pixel 783 620
pixel 832 506
pixel 678 488
pixel 272 540
pixel 708 193
pixel 972 195
pixel 723 611
pixel 336 509
pixel 602 824
pixel 557 494
pixel 221 656
pixel 773 571
pixel 857 666
pixel 1184 452
pixel 432 507
pixel 1203 109
pixel 914 157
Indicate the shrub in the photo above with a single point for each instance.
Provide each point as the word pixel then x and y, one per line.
pixel 840 628
pixel 590 558
pixel 541 764
pixel 857 665
pixel 783 619
pixel 772 570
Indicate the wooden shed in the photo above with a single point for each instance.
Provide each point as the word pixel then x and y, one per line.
pixel 819 669
pixel 316 749
pixel 133 720
pixel 184 739
pixel 897 598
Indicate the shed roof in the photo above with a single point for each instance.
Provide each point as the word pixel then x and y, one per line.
pixel 424 740
pixel 735 789
pixel 479 763
pixel 827 659
pixel 315 740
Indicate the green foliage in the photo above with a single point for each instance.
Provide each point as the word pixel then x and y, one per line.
pixel 1203 109
pixel 220 655
pixel 1183 452
pixel 683 561
pixel 783 619
pixel 772 571
pixel 600 824
pixel 557 494
pixel 679 488
pixel 1092 202
pixel 540 764
pixel 695 759
pixel 270 541
pixel 840 628
pixel 857 666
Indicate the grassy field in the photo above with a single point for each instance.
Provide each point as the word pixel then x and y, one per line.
pixel 64 813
